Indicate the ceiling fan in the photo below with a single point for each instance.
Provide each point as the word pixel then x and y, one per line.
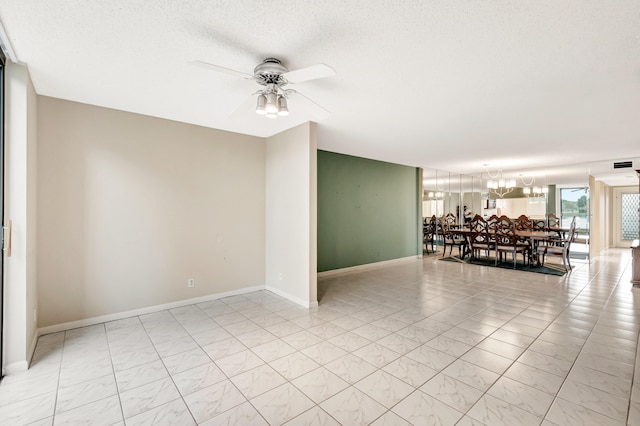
pixel 274 76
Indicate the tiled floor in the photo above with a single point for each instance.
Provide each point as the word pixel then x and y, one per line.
pixel 423 342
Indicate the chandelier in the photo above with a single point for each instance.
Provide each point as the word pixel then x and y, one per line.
pixel 498 185
pixel 533 191
pixel 501 187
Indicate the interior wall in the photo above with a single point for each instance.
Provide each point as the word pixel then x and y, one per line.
pixel 20 271
pixel 130 207
pixel 367 211
pixel 600 217
pixel 291 214
pixel 605 217
pixel 31 313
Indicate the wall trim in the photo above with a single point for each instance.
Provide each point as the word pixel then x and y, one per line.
pixel 19 366
pixel 148 310
pixel 32 347
pixel 294 299
pixel 367 266
pixel 16 367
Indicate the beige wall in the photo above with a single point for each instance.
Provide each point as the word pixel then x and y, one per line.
pixel 20 273
pixel 291 184
pixel 600 222
pixel 130 207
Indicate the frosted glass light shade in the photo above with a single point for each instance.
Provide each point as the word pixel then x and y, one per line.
pixel 282 106
pixel 260 106
pixel 272 103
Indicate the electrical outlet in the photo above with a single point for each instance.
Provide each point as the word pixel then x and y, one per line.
pixel 280 276
pixel 191 283
pixel 35 315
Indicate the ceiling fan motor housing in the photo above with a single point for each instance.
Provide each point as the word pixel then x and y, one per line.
pixel 270 72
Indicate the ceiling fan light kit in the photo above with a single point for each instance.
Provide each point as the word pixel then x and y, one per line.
pixel 272 104
pixel 261 107
pixel 272 100
pixel 283 109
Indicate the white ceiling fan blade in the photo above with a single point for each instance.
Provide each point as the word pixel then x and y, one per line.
pixel 313 108
pixel 245 110
pixel 224 70
pixel 309 73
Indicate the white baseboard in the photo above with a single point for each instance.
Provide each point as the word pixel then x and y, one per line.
pixel 19 366
pixel 142 311
pixel 294 299
pixel 16 367
pixel 367 266
pixel 32 346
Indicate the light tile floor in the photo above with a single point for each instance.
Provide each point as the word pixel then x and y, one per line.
pixel 422 342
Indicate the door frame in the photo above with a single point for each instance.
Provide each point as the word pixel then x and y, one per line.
pixel 616 222
pixel 3 62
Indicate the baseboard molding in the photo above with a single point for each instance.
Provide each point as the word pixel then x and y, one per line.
pixel 294 299
pixel 19 366
pixel 142 311
pixel 16 367
pixel 367 266
pixel 32 346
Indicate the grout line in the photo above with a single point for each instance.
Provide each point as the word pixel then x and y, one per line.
pixel 443 296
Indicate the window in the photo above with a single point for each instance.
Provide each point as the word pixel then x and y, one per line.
pixel 575 202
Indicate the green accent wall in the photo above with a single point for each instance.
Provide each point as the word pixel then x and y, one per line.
pixel 368 211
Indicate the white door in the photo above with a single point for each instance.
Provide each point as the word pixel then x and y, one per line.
pixel 625 216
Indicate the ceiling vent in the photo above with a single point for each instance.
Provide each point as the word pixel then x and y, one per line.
pixel 622 165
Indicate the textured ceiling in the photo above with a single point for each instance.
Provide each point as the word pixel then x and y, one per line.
pixel 436 84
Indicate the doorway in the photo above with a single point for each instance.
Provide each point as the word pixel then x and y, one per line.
pixel 625 216
pixel 574 202
pixel 2 114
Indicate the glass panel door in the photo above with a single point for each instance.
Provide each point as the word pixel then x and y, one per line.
pixel 575 202
pixel 629 205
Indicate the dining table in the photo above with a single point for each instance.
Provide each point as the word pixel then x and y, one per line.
pixel 534 236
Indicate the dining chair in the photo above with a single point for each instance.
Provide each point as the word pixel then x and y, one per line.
pixel 523 223
pixel 478 223
pixel 562 249
pixel 493 219
pixel 451 220
pixel 452 239
pixel 429 236
pixel 580 237
pixel 481 241
pixel 506 241
pixel 503 222
pixel 539 225
pixel 553 221
pixel 479 236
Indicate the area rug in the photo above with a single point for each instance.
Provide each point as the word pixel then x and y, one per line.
pixel 520 266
